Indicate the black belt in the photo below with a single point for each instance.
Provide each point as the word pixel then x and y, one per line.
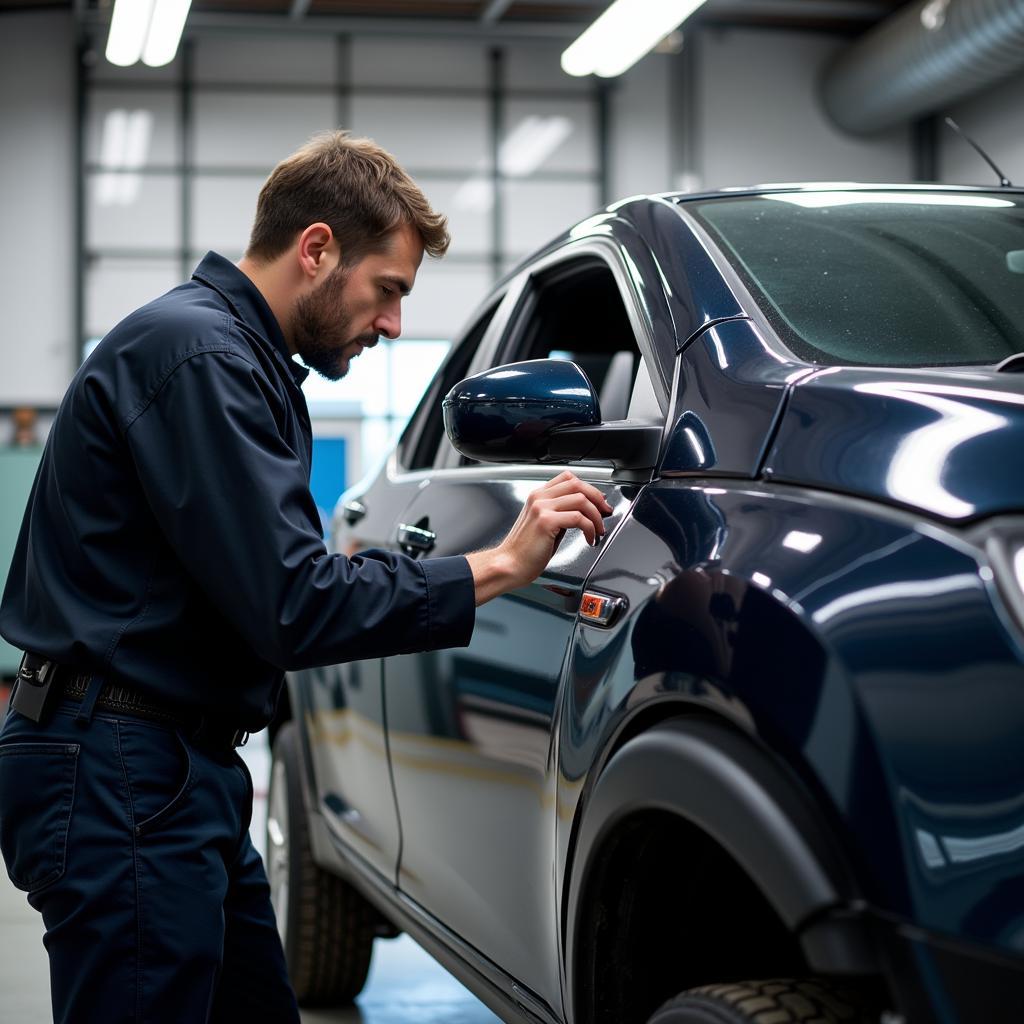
pixel 114 697
pixel 204 730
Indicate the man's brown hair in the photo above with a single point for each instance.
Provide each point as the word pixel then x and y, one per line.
pixel 350 184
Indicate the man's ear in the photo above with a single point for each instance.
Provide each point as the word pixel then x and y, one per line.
pixel 317 250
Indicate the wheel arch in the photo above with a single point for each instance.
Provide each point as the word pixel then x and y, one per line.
pixel 702 770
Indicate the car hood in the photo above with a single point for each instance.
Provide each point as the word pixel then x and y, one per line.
pixel 947 442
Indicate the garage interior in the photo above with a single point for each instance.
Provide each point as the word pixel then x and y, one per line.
pixel 115 181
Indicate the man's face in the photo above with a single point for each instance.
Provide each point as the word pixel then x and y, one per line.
pixel 355 305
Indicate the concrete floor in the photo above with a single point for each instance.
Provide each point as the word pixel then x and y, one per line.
pixel 405 985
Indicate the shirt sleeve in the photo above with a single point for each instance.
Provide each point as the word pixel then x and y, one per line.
pixel 233 502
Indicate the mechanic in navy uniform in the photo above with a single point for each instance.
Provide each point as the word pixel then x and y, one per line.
pixel 171 567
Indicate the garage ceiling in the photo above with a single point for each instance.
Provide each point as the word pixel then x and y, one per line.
pixel 484 17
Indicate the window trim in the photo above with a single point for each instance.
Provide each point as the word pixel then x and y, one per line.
pixel 523 290
pixel 498 306
pixel 607 252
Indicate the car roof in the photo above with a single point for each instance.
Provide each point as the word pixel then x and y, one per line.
pixel 829 186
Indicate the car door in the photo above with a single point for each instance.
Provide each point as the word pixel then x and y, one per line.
pixel 344 710
pixel 470 730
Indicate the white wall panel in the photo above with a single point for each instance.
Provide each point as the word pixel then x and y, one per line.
pixel 223 209
pixel 278 57
pixel 162 107
pixel 578 151
pixel 534 212
pixel 442 299
pixel 433 61
pixel 468 223
pixel 641 127
pixel 241 129
pixel 37 175
pixel 425 132
pixel 537 65
pixel 995 120
pixel 151 219
pixel 114 287
pixel 761 120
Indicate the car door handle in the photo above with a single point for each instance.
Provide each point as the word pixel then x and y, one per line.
pixel 414 539
pixel 353 511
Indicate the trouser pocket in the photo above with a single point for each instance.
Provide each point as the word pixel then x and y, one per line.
pixel 37 792
pixel 160 772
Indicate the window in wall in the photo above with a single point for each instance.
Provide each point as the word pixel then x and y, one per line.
pixel 381 390
pixel 174 159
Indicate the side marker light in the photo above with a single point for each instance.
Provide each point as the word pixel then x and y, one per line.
pixel 600 609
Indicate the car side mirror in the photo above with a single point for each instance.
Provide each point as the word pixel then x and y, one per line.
pixel 542 410
pixel 508 413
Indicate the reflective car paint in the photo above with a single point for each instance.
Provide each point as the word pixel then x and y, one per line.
pixel 946 442
pixel 867 648
pixel 342 707
pixel 507 414
pixel 827 632
pixel 470 734
pixel 729 391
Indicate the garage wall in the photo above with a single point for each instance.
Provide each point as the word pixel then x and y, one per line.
pixel 995 120
pixel 641 128
pixel 743 110
pixel 760 120
pixel 223 113
pixel 37 174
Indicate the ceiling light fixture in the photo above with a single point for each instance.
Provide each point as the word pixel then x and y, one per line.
pixel 623 34
pixel 150 29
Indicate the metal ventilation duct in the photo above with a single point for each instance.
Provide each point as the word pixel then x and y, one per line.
pixel 921 60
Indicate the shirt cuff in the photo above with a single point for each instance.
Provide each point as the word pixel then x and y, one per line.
pixel 451 601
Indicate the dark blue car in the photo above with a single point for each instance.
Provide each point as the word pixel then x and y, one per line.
pixel 758 756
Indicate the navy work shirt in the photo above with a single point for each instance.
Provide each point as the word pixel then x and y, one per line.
pixel 171 541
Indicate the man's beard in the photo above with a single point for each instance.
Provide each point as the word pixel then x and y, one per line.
pixel 321 327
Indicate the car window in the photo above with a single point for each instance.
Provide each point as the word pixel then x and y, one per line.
pixel 575 311
pixel 418 445
pixel 883 278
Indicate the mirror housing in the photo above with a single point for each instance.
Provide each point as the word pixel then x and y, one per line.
pixel 542 410
pixel 508 413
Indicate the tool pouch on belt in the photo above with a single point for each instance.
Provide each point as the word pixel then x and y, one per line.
pixel 35 694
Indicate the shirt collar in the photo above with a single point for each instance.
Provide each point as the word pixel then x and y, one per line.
pixel 248 304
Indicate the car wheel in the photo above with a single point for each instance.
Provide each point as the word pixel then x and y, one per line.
pixel 326 927
pixel 779 1001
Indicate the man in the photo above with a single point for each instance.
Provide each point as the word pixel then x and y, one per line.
pixel 170 568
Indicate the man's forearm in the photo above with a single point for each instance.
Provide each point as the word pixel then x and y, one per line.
pixel 492 573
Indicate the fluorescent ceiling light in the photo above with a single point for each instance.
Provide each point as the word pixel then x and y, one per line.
pixel 128 27
pixel 150 29
pixel 165 32
pixel 623 34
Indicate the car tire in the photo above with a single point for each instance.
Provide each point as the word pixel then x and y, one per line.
pixel 327 928
pixel 777 1001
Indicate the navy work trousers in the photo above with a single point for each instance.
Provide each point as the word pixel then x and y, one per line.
pixel 133 843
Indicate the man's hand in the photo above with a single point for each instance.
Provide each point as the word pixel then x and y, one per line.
pixel 564 503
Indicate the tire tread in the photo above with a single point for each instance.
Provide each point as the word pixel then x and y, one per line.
pixel 331 928
pixel 773 1001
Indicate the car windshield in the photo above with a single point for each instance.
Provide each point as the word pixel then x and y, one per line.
pixel 884 278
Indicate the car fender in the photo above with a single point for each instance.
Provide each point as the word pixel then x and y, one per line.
pixel 708 773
